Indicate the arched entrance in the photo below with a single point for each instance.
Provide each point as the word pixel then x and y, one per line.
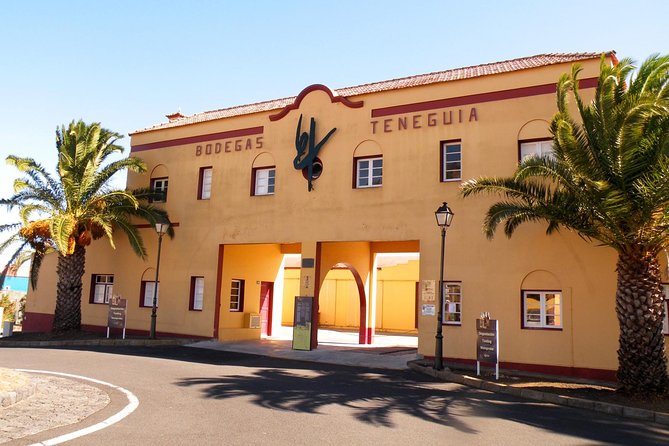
pixel 333 290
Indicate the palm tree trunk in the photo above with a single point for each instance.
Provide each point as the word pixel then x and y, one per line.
pixel 642 364
pixel 68 295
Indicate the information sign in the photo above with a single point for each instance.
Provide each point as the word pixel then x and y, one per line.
pixel 117 314
pixel 302 322
pixel 487 343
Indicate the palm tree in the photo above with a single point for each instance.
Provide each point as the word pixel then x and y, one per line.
pixel 608 180
pixel 65 213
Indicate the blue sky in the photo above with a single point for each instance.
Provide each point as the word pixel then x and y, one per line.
pixel 128 63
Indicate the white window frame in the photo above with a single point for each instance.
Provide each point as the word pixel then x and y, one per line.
pixel 103 288
pixel 452 310
pixel 147 298
pixel 265 181
pixel 160 185
pixel 369 172
pixel 449 161
pixel 536 148
pixel 543 315
pixel 197 296
pixel 237 295
pixel 206 174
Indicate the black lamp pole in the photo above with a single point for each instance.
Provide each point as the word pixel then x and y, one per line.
pixel 444 217
pixel 160 228
pixel 439 345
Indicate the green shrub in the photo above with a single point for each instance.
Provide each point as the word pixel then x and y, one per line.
pixel 9 306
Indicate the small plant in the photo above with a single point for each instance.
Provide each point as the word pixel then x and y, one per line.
pixel 9 306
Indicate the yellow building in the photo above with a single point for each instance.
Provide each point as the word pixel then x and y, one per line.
pixel 332 194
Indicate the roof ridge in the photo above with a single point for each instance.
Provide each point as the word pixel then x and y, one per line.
pixel 516 59
pixel 384 85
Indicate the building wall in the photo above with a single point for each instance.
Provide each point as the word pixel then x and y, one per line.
pixel 339 299
pixel 234 234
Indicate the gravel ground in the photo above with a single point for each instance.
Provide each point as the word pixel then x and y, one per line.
pixel 11 380
pixel 57 402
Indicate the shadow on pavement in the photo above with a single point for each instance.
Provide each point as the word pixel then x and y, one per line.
pixel 375 396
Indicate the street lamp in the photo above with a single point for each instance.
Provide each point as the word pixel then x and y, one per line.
pixel 161 228
pixel 444 217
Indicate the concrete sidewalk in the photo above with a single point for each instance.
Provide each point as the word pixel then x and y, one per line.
pixel 334 347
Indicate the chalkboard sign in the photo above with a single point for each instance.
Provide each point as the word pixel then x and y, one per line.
pixel 302 322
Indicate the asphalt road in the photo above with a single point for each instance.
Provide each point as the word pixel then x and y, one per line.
pixel 190 396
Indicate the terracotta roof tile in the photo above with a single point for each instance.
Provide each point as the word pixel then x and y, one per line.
pixel 393 84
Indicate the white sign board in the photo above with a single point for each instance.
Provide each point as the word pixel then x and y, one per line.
pixel 428 309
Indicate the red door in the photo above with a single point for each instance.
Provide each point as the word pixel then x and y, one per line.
pixel 266 293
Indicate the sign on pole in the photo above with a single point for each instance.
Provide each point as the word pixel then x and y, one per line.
pixel 117 313
pixel 487 343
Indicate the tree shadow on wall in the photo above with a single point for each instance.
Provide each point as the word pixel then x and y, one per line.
pixel 372 397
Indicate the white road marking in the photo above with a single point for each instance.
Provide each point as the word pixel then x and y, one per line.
pixel 133 402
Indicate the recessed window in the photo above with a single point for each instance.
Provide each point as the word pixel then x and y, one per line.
pixel 102 287
pixel 542 309
pixel 204 183
pixel 542 147
pixel 237 295
pixel 146 296
pixel 264 180
pixel 453 303
pixel 451 161
pixel 159 185
pixel 196 293
pixel 368 172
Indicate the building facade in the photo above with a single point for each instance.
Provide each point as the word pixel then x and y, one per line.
pixel 332 194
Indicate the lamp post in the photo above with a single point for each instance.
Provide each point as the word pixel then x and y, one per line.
pixel 444 217
pixel 161 228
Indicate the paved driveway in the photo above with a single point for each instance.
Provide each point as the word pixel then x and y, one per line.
pixel 200 397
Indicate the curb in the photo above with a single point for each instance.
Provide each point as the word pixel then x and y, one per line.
pixel 14 396
pixel 560 400
pixel 98 342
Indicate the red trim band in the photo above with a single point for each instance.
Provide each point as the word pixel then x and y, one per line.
pixel 315 87
pixel 200 138
pixel 476 98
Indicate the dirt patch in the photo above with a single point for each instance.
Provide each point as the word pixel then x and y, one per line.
pixel 589 390
pixel 11 380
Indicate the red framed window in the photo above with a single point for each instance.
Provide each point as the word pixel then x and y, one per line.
pixel 204 183
pixel 196 293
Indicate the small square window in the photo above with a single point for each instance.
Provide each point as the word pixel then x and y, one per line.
pixel 204 183
pixel 451 161
pixel 536 148
pixel 452 303
pixel 159 185
pixel 237 295
pixel 369 172
pixel 102 288
pixel 264 180
pixel 146 298
pixel 196 293
pixel 542 309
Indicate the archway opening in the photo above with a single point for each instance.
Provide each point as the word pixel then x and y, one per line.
pixel 342 306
